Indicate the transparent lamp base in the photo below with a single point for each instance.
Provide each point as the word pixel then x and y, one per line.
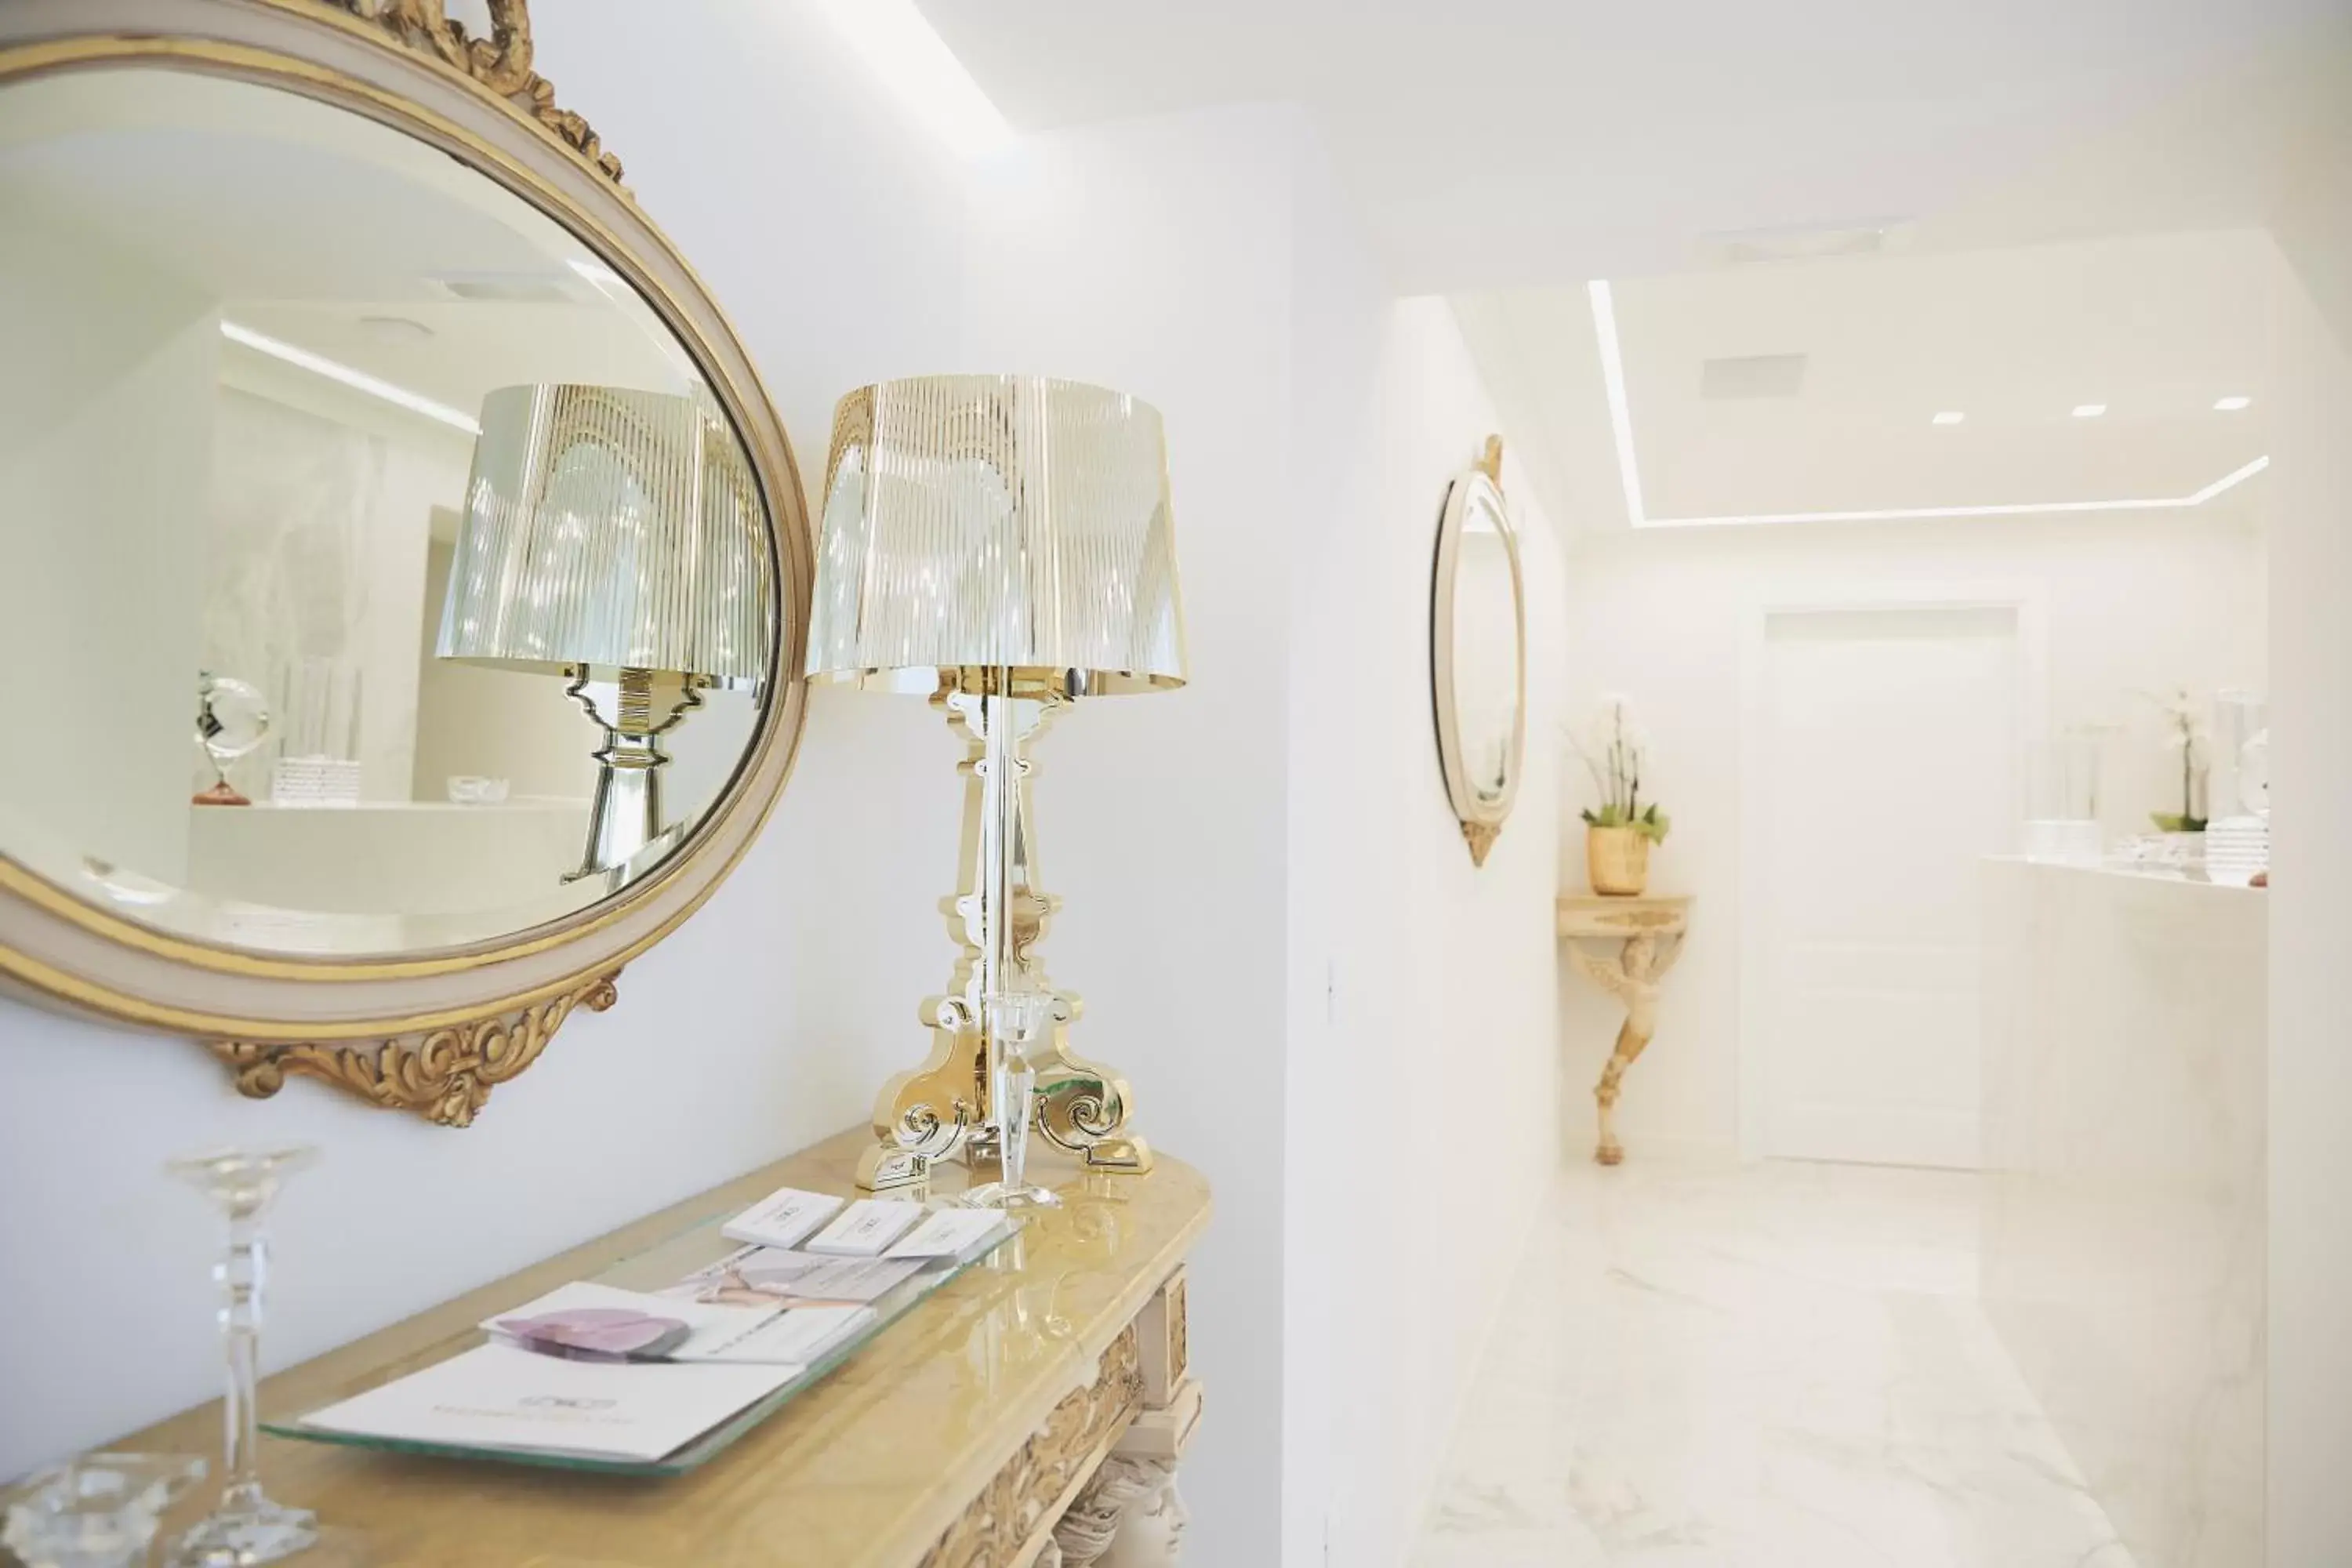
pixel 1017 1021
pixel 265 1533
pixel 998 1196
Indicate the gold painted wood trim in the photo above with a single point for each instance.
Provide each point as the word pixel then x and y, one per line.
pixel 355 54
pixel 1004 1526
pixel 445 1076
pixel 500 62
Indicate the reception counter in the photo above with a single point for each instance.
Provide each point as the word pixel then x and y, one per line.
pixel 2125 1022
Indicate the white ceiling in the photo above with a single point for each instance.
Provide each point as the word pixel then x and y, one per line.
pixel 1998 152
pixel 302 222
pixel 2156 328
pixel 1497 142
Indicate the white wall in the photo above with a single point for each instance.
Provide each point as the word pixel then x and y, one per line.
pixel 1154 256
pixel 2310 1427
pixel 1424 1043
pixel 2132 603
pixel 105 446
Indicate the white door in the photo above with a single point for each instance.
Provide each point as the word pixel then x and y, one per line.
pixel 1887 761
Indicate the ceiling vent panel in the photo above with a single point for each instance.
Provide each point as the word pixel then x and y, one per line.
pixel 1750 376
pixel 1808 242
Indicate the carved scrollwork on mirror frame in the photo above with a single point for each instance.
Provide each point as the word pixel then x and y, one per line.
pixel 445 1075
pixel 415 980
pixel 500 62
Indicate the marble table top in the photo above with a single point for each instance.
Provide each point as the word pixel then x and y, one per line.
pixel 866 1470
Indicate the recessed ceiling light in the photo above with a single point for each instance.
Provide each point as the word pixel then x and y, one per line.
pixel 1948 417
pixel 2232 404
pixel 357 380
pixel 1620 416
pixel 2089 410
pixel 1620 410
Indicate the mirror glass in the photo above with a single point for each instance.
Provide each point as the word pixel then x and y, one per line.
pixel 1486 644
pixel 339 487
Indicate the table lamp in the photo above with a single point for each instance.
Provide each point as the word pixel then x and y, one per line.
pixel 617 538
pixel 1002 545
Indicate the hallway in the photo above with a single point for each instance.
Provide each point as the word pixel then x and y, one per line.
pixel 1777 1366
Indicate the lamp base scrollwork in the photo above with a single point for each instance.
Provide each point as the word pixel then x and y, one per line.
pixel 444 1075
pixel 940 1109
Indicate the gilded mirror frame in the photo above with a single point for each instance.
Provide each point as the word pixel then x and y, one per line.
pixel 1482 819
pixel 433 1031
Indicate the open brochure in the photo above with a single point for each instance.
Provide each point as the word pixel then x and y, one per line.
pixel 499 1396
pixel 591 1321
pixel 599 1373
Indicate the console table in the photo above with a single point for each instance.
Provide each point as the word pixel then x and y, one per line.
pixel 955 1439
pixel 1648 937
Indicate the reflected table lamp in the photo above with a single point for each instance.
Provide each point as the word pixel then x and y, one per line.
pixel 617 538
pixel 1003 546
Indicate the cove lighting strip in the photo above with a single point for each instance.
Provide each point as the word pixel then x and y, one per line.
pixel 357 380
pixel 906 52
pixel 1620 421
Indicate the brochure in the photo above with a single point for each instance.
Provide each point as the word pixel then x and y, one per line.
pixel 759 1276
pixel 958 1233
pixel 782 1218
pixel 598 1322
pixel 866 1227
pixel 788 1340
pixel 499 1396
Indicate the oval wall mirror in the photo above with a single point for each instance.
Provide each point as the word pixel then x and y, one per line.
pixel 402 569
pixel 1478 653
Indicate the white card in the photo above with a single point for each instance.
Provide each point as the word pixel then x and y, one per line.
pixel 758 1274
pixel 789 1338
pixel 782 1218
pixel 497 1396
pixel 866 1227
pixel 950 1233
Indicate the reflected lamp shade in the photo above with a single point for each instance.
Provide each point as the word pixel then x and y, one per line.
pixel 982 522
pixel 610 527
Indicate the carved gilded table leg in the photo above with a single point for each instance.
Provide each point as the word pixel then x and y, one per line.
pixel 1649 933
pixel 1130 1514
pixel 1635 984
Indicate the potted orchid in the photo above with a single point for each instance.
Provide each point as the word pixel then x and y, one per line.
pixel 2185 732
pixel 1618 831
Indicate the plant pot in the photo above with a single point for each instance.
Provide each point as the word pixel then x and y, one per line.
pixel 1618 860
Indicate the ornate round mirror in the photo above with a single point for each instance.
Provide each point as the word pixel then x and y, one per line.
pixel 402 570
pixel 1478 653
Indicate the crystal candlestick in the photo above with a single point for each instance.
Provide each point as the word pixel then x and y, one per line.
pixel 1017 1022
pixel 247 1528
pixel 101 1511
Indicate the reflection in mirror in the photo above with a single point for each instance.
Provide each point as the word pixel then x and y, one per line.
pixel 1486 646
pixel 311 439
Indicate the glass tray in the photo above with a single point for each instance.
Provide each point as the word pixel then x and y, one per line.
pixel 664 1263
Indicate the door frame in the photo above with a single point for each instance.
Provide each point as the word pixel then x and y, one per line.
pixel 2027 601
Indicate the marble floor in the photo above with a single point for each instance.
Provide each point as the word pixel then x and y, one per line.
pixel 1764 1367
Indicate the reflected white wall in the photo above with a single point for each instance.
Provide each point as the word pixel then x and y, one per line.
pixel 105 449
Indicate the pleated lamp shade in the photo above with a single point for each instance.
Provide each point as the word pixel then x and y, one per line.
pixel 610 527
pixel 981 522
